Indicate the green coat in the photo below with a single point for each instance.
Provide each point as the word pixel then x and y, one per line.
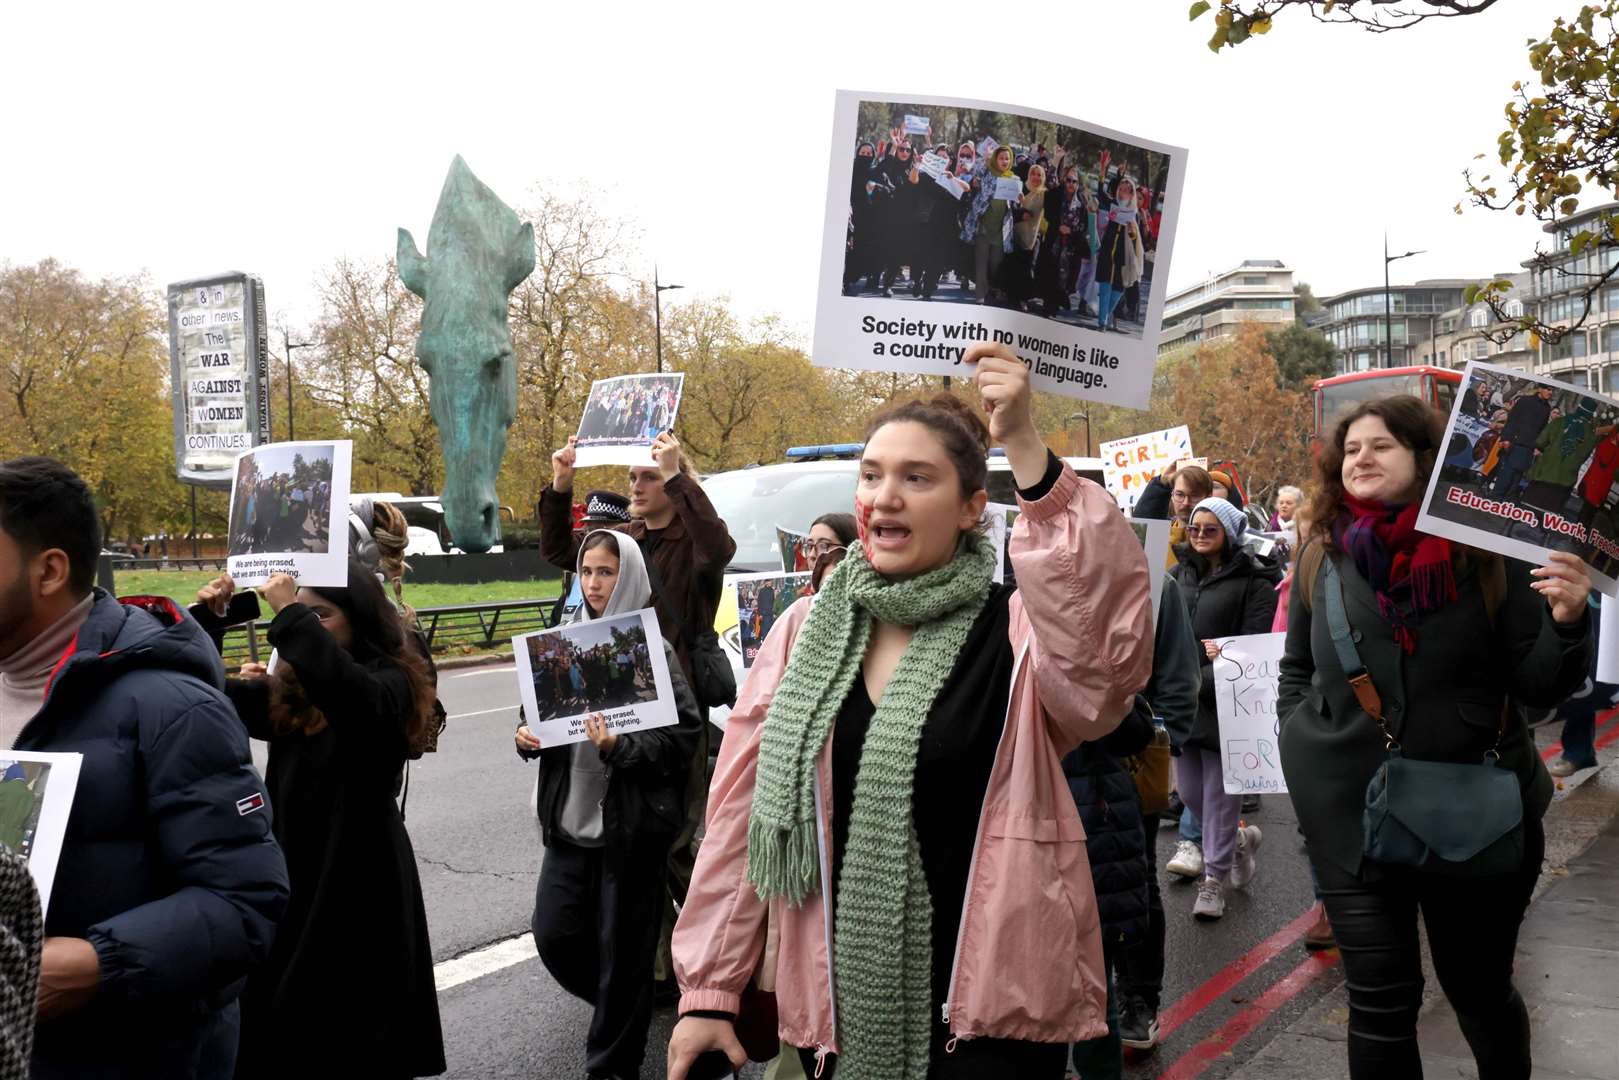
pixel 1443 702
pixel 16 807
pixel 1552 466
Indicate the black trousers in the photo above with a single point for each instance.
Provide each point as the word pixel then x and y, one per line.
pixel 596 917
pixel 1139 967
pixel 975 1059
pixel 1473 933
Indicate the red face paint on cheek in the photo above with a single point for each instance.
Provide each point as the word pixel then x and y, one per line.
pixel 862 515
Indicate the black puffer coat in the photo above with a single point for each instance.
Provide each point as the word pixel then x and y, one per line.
pixel 1115 841
pixel 1238 597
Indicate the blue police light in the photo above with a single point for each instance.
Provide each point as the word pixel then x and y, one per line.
pixel 832 450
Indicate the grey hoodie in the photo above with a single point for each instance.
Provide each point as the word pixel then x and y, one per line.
pixel 581 819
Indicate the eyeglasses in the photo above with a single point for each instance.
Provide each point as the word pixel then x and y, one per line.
pixel 1178 496
pixel 1203 532
pixel 821 547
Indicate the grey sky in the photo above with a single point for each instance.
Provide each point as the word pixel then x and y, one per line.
pixel 706 128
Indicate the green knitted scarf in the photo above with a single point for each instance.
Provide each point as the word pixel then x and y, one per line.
pixel 883 977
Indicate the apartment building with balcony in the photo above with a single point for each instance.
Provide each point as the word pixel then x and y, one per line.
pixel 1589 356
pixel 1256 290
pixel 1359 322
pixel 1467 332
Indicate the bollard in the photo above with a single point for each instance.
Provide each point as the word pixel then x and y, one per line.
pixel 104 577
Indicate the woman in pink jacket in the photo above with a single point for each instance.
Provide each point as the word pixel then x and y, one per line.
pixel 936 918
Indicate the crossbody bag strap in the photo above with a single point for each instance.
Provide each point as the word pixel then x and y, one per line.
pixel 1343 642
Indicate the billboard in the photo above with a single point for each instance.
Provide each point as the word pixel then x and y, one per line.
pixel 220 374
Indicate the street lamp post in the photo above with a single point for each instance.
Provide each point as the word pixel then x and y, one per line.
pixel 287 346
pixel 1086 416
pixel 658 289
pixel 1388 301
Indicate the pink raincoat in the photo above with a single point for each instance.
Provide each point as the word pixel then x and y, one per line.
pixel 1029 952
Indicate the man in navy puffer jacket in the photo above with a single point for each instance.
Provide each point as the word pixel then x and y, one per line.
pixel 169 884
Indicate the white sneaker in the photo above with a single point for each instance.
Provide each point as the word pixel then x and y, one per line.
pixel 1242 868
pixel 1210 900
pixel 1187 862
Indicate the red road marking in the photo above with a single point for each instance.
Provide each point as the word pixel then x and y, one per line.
pixel 1196 1060
pixel 1605 727
pixel 1192 1063
pixel 1232 974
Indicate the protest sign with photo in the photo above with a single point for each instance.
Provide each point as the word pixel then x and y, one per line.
pixel 36 798
pixel 289 506
pixel 760 600
pixel 1044 233
pixel 1246 674
pixel 1154 536
pixel 796 555
pixel 1608 642
pixel 614 666
pixel 1538 478
pixel 623 416
pixel 1129 464
pixel 998 518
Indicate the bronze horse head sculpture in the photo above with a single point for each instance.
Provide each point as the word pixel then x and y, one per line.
pixel 477 253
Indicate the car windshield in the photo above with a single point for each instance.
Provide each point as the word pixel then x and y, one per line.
pixel 752 502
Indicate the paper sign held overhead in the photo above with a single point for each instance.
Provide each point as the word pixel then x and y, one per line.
pixel 1129 464
pixel 289 508
pixel 1069 343
pixel 623 416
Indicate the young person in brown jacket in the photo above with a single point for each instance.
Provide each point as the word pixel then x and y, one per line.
pixel 687 548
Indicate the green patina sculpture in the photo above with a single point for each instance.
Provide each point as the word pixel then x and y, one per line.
pixel 477 253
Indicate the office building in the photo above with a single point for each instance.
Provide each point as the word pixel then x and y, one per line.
pixel 1256 290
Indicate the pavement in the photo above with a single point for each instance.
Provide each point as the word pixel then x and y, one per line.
pixel 1242 998
pixel 1567 966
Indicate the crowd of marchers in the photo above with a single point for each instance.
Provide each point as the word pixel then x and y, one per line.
pixel 923 848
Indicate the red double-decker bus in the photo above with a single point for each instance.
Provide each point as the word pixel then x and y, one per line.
pixel 1435 385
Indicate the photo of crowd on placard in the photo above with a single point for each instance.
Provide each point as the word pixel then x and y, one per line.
pixel 1533 461
pixel 591 666
pixel 971 206
pixel 760 601
pixel 630 410
pixel 22 798
pixel 282 500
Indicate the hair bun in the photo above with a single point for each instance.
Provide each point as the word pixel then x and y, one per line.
pixel 970 417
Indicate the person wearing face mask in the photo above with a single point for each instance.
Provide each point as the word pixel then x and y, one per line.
pixel 1029 225
pixel 1120 258
pixel 988 220
pixel 1229 592
pixel 352 968
pixel 858 261
pixel 608 809
pixel 897 216
pixel 937 919
pixel 1453 643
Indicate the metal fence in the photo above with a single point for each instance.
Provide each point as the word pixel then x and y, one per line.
pixel 447 628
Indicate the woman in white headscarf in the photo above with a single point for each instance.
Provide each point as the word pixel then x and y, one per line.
pixel 608 809
pixel 1120 260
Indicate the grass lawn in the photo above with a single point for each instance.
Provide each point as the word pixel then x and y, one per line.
pixel 182 586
